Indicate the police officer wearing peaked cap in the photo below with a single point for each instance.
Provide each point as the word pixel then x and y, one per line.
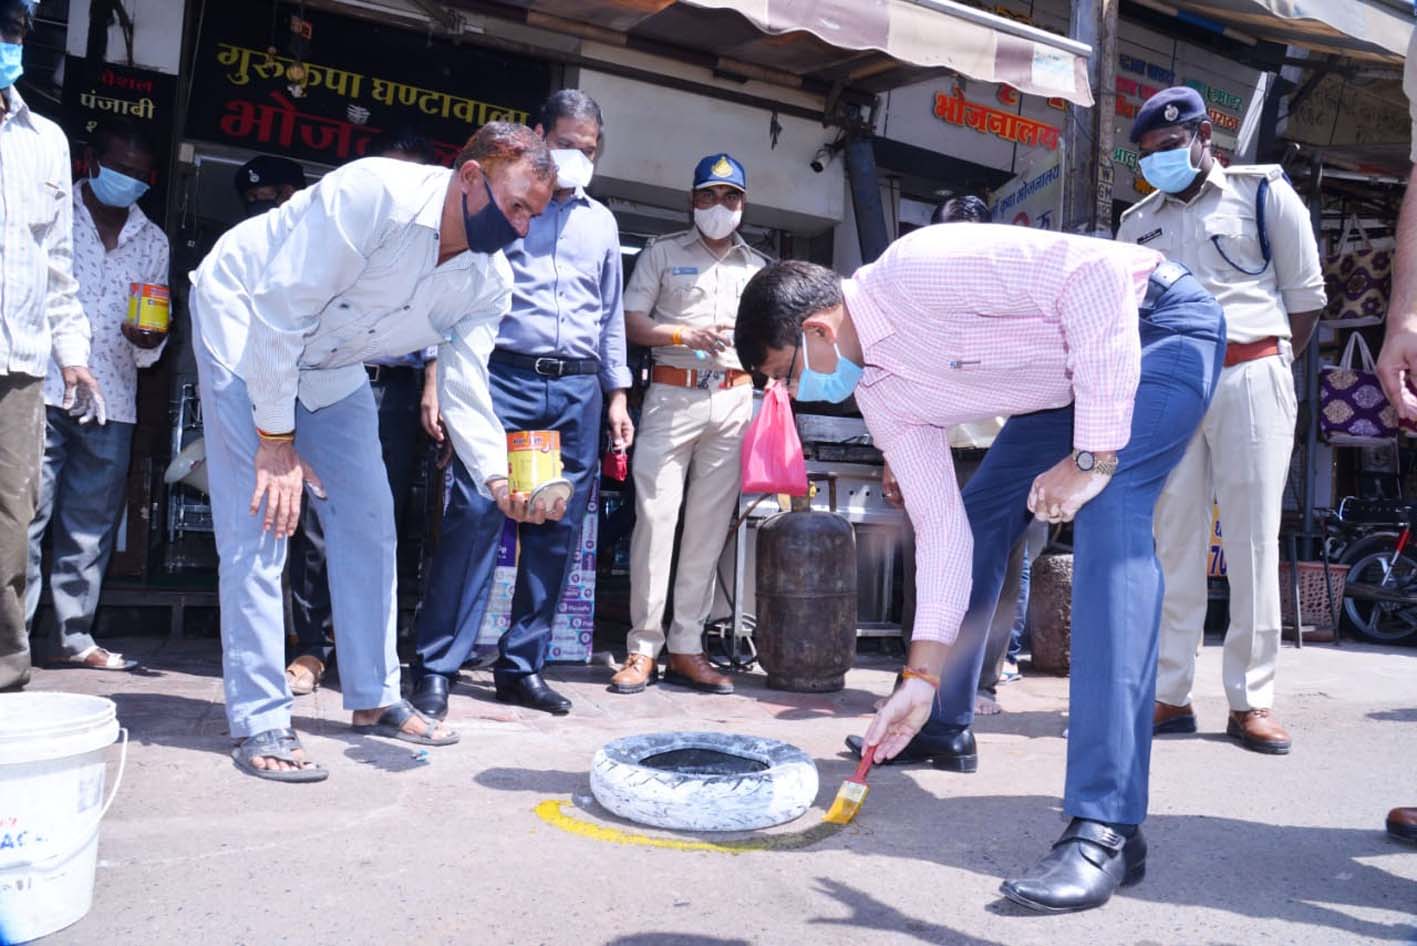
pixel 267 181
pixel 1246 235
pixel 682 301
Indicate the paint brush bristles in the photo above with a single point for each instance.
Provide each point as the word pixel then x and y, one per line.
pixel 852 792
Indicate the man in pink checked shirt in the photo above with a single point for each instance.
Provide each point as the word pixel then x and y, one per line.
pixel 1104 356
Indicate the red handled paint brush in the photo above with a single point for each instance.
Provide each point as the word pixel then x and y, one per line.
pixel 852 792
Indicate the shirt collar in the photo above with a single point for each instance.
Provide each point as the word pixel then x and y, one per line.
pixel 871 325
pixel 430 213
pixel 578 196
pixel 16 107
pixel 132 226
pixel 435 188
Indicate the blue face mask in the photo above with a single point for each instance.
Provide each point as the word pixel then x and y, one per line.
pixel 10 66
pixel 835 387
pixel 1170 171
pixel 116 190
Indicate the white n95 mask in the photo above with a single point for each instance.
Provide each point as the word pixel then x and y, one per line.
pixel 717 221
pixel 573 168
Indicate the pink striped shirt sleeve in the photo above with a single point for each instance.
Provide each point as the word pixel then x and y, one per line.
pixel 944 551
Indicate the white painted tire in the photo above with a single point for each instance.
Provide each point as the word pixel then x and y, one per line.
pixel 690 802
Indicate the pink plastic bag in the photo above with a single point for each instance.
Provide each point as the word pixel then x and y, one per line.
pixel 772 451
pixel 616 465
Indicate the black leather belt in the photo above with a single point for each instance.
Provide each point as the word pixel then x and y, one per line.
pixel 381 374
pixel 1162 279
pixel 546 365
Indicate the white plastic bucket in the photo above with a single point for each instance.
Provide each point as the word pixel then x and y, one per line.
pixel 51 803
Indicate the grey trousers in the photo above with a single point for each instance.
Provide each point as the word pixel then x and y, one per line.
pixel 21 442
pixel 81 491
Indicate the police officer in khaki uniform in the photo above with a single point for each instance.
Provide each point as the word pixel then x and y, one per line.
pixel 1246 235
pixel 682 301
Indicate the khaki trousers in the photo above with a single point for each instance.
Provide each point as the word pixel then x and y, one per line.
pixel 685 434
pixel 1240 456
pixel 21 446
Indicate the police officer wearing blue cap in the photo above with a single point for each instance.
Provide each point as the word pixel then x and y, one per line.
pixel 267 181
pixel 682 301
pixel 1246 235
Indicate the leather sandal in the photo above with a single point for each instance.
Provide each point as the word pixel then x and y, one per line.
pixel 304 675
pixel 281 745
pixel 99 658
pixel 390 726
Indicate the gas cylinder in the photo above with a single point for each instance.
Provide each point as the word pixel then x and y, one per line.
pixel 806 598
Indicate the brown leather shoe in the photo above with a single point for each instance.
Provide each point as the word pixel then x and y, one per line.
pixel 1257 729
pixel 304 675
pixel 640 671
pixel 694 670
pixel 1172 719
pixel 1402 824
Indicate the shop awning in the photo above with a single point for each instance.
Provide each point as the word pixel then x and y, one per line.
pixel 869 45
pixel 1374 30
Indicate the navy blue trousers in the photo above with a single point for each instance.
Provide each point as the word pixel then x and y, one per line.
pixel 463 567
pixel 1117 581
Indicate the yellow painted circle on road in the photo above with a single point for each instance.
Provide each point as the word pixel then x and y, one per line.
pixel 553 812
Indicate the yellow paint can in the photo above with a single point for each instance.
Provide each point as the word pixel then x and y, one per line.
pixel 149 307
pixel 534 460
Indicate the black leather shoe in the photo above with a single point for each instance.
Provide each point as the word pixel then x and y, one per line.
pixel 1086 865
pixel 953 753
pixel 532 692
pixel 430 695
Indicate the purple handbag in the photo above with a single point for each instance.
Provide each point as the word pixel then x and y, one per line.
pixel 1353 410
pixel 1357 279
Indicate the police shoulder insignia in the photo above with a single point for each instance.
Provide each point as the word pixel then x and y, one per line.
pixel 722 168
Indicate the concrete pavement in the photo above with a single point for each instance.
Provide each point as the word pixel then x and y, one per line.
pixel 1245 849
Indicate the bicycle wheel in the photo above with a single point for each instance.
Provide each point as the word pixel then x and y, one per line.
pixel 1381 605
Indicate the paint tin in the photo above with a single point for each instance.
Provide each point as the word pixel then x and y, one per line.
pixel 533 459
pixel 149 307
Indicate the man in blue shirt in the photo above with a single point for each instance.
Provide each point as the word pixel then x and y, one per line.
pixel 562 344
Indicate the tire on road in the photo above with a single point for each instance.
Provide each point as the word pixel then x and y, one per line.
pixel 684 801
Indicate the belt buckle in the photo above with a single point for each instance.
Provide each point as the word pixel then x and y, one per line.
pixel 553 372
pixel 374 371
pixel 703 380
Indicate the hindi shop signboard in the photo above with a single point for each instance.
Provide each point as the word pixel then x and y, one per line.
pixel 955 109
pixel 96 92
pixel 356 80
pixel 1034 198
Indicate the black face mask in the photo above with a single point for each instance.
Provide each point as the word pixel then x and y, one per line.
pixel 257 207
pixel 488 230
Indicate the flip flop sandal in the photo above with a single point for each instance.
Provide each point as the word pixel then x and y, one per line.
pixel 279 744
pixel 390 726
pixel 304 675
pixel 112 661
